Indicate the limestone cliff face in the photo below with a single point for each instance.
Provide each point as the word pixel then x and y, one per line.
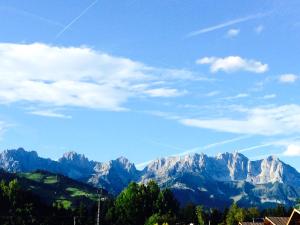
pixel 196 177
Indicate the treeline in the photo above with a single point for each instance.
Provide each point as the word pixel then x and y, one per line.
pixel 138 204
pixel 19 207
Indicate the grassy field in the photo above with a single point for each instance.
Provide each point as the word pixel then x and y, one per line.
pixel 54 188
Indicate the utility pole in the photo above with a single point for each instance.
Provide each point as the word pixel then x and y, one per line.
pixel 74 219
pixel 99 204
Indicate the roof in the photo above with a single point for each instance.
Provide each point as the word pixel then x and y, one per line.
pixel 294 218
pixel 251 223
pixel 278 220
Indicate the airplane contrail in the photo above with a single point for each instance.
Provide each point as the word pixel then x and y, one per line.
pixel 220 143
pixel 255 147
pixel 32 15
pixel 226 24
pixel 75 19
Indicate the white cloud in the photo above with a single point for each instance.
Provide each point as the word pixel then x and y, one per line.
pixel 265 121
pixel 226 24
pixel 232 64
pixel 232 33
pixel 288 78
pixel 270 96
pixel 259 29
pixel 77 76
pixel 50 113
pixel 164 92
pixel 212 93
pixel 292 150
pixel 240 95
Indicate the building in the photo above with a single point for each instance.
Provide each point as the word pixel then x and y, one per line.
pixel 251 223
pixel 276 220
pixel 294 219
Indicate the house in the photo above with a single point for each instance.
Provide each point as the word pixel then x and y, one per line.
pixel 251 223
pixel 294 219
pixel 276 220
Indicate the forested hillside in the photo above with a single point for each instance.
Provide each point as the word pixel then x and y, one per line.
pixel 138 204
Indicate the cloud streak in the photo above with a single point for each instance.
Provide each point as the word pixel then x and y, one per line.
pixel 196 149
pixel 31 15
pixel 255 147
pixel 213 145
pixel 75 19
pixel 226 24
pixel 50 113
pixel 266 121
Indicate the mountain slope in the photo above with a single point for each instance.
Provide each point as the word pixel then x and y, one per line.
pixel 53 188
pixel 215 181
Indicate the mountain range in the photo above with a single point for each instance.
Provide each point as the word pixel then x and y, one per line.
pixel 198 178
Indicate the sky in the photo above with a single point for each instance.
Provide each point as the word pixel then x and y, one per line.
pixel 149 79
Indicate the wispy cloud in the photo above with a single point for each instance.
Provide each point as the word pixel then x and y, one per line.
pixel 269 96
pixel 259 29
pixel 291 146
pixel 197 149
pixel 226 24
pixel 75 19
pixel 143 164
pixel 292 150
pixel 31 15
pixel 50 113
pixel 265 121
pixel 255 147
pixel 238 96
pixel 232 33
pixel 288 78
pixel 213 145
pixel 232 64
pixel 2 127
pixel 79 77
pixel 164 92
pixel 212 93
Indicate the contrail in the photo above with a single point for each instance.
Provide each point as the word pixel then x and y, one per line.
pixel 255 147
pixel 226 24
pixel 32 15
pixel 214 145
pixel 143 164
pixel 75 19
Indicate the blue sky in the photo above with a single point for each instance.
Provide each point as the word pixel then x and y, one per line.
pixel 147 79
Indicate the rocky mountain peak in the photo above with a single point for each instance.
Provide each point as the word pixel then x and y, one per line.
pixel 20 160
pixel 192 174
pixel 19 153
pixel 74 157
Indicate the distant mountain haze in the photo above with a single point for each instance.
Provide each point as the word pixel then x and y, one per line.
pixel 198 178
